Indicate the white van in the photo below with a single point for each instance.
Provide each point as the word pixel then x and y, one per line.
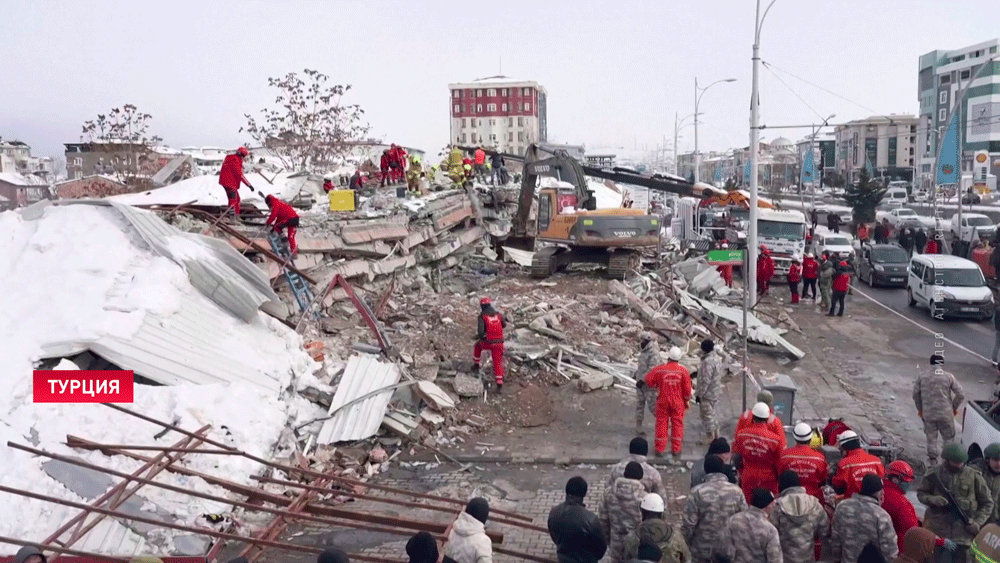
pixel 895 196
pixel 949 286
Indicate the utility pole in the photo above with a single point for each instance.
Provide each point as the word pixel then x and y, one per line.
pixel 752 245
pixel 698 93
pixel 675 143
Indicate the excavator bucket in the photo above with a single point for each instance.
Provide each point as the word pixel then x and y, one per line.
pixel 526 244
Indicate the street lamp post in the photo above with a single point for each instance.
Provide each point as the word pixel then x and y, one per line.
pixel 812 149
pixel 698 93
pixel 677 128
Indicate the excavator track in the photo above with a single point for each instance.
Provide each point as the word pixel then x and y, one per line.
pixel 621 262
pixel 543 265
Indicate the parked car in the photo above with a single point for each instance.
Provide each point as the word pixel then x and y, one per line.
pixel 921 196
pixel 895 196
pixel 840 243
pixel 904 217
pixel 883 264
pixel 971 199
pixel 981 224
pixel 948 286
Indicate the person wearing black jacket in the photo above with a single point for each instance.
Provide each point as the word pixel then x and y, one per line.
pixel 920 242
pixel 575 530
pixel 497 168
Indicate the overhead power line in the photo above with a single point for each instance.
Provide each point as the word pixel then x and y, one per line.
pixel 862 106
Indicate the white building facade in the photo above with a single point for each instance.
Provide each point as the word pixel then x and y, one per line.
pixel 504 113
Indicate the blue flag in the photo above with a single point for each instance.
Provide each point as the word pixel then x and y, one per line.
pixel 746 173
pixel 809 168
pixel 718 172
pixel 947 163
pixel 868 167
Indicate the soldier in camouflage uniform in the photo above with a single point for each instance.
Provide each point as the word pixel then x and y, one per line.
pixel 654 529
pixel 859 521
pixel 649 358
pixel 937 396
pixel 709 388
pixel 619 513
pixel 989 467
pixel 708 509
pixel 750 537
pixel 968 488
pixel 799 518
pixel 638 448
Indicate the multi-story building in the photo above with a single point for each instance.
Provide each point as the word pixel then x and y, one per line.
pixel 15 157
pixel 501 112
pixel 887 142
pixel 90 158
pixel 941 76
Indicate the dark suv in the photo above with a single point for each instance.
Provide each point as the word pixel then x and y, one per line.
pixel 883 264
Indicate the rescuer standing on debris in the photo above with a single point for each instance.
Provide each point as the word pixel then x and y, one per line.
pixel 384 167
pixel 674 384
pixel 937 396
pixel 328 183
pixel 490 337
pixel 231 177
pixel 765 269
pixel 709 388
pixel 649 357
pixel 726 270
pixel 480 162
pixel 283 216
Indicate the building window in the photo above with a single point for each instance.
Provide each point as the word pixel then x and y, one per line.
pixel 464 122
pixel 527 106
pixel 510 122
pixel 510 136
pixel 943 97
pixel 993 50
pixel 463 137
pixel 892 151
pixel 520 136
pixel 491 107
pixel 965 74
pixel 503 92
pixel 942 115
pixel 77 161
pixel 493 136
pixel 525 93
pixel 520 122
pixel 479 93
pixel 458 108
pixel 479 108
pixel 493 122
pixel 945 79
pixel 503 107
pixel 458 93
pixel 491 92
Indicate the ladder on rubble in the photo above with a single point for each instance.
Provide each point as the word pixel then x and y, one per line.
pixel 303 294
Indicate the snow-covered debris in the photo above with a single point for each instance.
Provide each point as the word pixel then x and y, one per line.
pixel 206 191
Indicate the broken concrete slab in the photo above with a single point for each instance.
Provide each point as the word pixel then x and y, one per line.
pixel 467 386
pixel 594 381
pixel 434 396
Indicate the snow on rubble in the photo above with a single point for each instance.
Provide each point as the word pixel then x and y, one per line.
pixel 206 191
pixel 81 277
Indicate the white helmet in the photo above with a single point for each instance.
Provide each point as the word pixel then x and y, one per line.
pixel 802 432
pixel 846 436
pixel 809 254
pixel 328 176
pixel 674 353
pixel 761 410
pixel 652 502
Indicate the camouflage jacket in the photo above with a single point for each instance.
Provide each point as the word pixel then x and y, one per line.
pixel 970 492
pixel 826 274
pixel 649 358
pixel 707 513
pixel 800 519
pixel 663 534
pixel 709 377
pixel 750 538
pixel 858 521
pixel 651 479
pixel 619 514
pixel 937 394
pixel 993 483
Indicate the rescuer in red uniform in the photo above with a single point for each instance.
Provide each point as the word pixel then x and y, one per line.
pixel 283 216
pixel 490 337
pixel 899 475
pixel 384 167
pixel 673 383
pixel 794 276
pixel 759 452
pixel 726 270
pixel 765 270
pixel 773 422
pixel 806 462
pixel 810 273
pixel 231 177
pixel 855 464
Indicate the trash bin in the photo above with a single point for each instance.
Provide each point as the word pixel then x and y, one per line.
pixel 783 389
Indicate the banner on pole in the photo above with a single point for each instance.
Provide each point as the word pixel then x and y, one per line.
pixel 947 163
pixel 809 168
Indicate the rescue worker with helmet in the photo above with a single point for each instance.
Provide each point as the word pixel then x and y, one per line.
pixel 673 383
pixel 989 467
pixel 773 422
pixel 765 270
pixel 283 216
pixel 809 464
pixel 490 337
pixel 231 178
pixel 413 175
pixel 841 284
pixel 385 168
pixel 969 490
pixel 855 464
pixel 726 270
pixel 328 183
pixel 759 453
pixel 898 476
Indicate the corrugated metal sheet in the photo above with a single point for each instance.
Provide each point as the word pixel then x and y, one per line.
pixel 363 375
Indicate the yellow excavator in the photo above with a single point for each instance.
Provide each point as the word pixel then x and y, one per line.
pixel 568 217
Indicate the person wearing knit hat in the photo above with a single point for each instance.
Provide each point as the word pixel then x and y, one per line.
pixel 638 449
pixel 968 488
pixel 860 520
pixel 809 464
pixel 648 552
pixel 422 548
pixel 773 422
pixel 467 540
pixel 575 530
pixel 709 388
pixel 752 538
pixel 799 518
pixel 620 513
pixel 30 554
pixel 333 555
pixel 708 509
pixel 719 447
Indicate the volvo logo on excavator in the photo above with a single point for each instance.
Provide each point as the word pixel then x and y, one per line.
pixel 541 168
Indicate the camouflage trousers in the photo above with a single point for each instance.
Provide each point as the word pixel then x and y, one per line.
pixel 944 427
pixel 645 400
pixel 708 420
pixel 824 296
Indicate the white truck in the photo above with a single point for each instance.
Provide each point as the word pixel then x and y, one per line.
pixel 784 233
pixel 978 428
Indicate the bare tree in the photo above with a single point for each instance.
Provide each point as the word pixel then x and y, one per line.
pixel 123 135
pixel 310 127
pixel 58 168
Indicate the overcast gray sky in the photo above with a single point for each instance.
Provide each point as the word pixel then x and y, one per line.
pixel 616 72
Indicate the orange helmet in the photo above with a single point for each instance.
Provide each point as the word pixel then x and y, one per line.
pixel 900 469
pixel 485 301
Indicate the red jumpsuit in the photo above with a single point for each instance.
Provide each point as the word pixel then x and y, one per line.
pixel 491 327
pixel 773 422
pixel 900 509
pixel 284 216
pixel 385 166
pixel 852 469
pixel 726 271
pixel 760 451
pixel 673 383
pixel 765 269
pixel 810 273
pixel 808 464
pixel 794 276
pixel 932 247
pixel 327 186
pixel 230 178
